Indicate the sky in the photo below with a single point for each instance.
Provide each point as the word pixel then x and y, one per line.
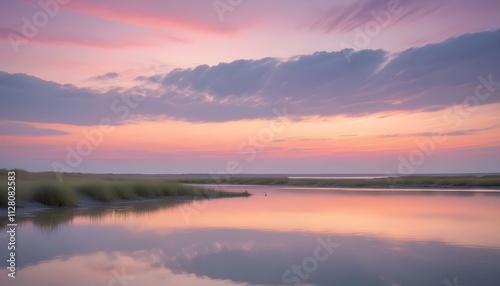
pixel 238 86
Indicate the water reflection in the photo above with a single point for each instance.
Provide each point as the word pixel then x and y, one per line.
pixel 384 240
pixel 53 219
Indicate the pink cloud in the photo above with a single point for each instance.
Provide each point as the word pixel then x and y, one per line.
pixel 71 40
pixel 197 16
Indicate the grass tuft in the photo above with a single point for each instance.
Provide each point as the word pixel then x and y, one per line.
pixel 123 191
pixel 145 190
pixel 58 195
pixel 98 192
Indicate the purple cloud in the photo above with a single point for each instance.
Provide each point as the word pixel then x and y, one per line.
pixel 21 129
pixel 106 76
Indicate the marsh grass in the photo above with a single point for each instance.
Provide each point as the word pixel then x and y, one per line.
pixel 122 191
pixel 102 192
pixel 44 188
pixel 107 191
pixel 52 194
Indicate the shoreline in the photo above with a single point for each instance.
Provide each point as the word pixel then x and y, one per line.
pixel 366 188
pixel 374 188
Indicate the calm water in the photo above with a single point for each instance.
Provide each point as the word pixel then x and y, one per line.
pixel 290 236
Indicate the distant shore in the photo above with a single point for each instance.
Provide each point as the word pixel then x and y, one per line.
pixel 409 182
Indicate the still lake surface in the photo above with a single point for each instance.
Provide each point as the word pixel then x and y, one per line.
pixel 279 236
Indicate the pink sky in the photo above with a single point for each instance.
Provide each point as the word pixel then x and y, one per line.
pixel 259 86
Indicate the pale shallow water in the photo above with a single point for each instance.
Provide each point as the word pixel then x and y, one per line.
pixel 336 238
